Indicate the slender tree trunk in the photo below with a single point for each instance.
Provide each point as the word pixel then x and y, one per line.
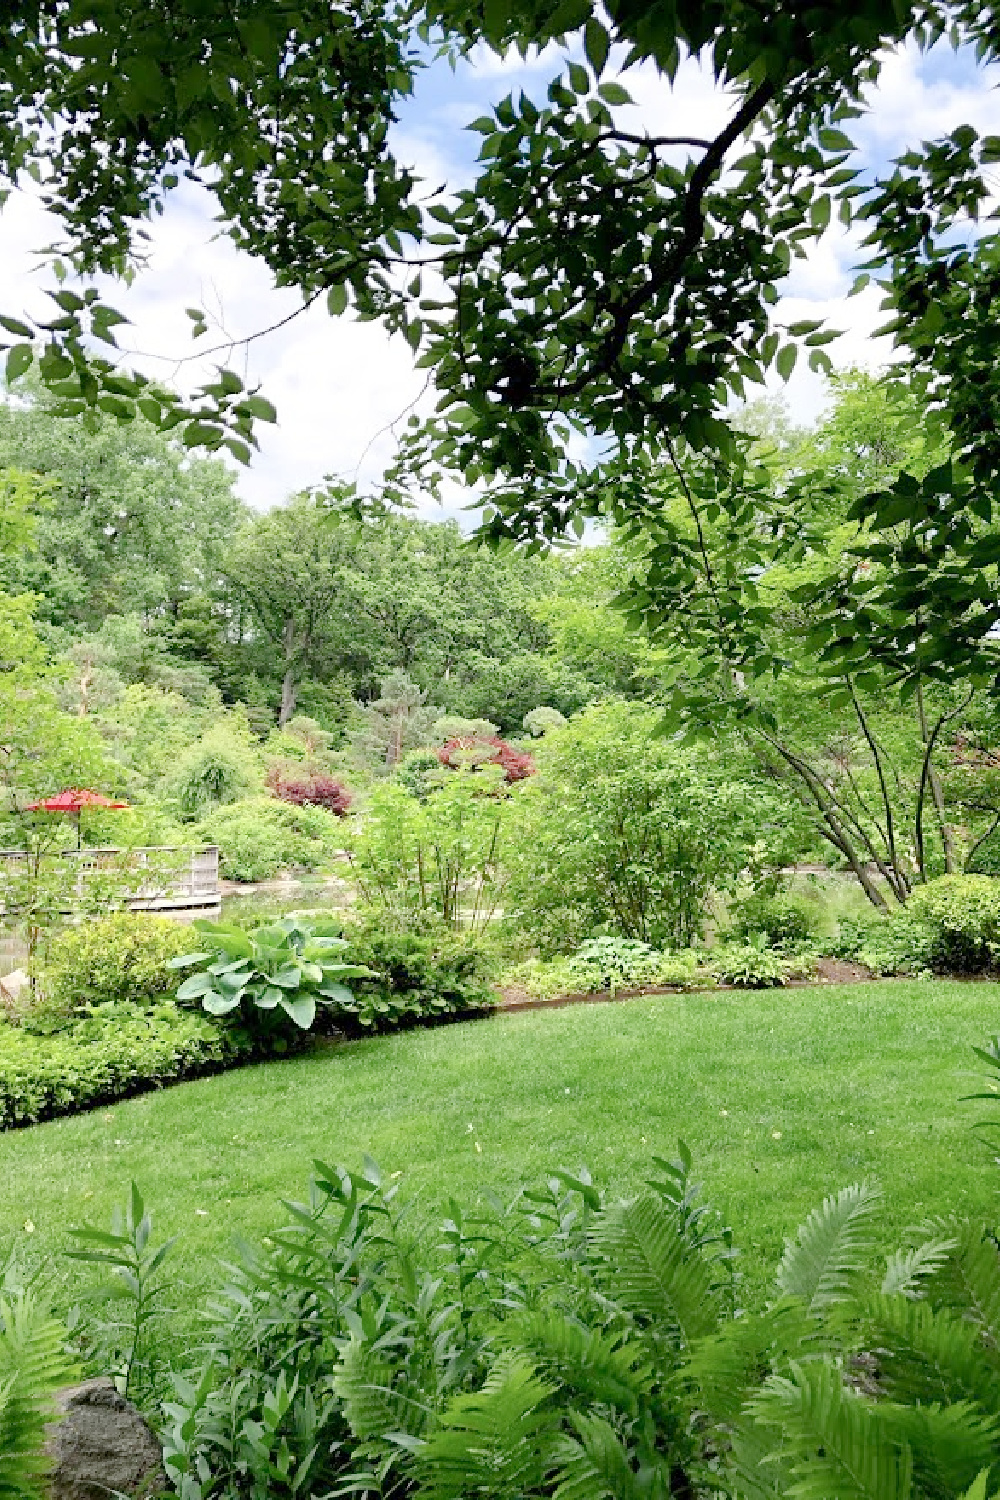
pixel 934 781
pixel 288 683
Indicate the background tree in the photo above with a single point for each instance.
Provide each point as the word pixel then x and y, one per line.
pixel 289 566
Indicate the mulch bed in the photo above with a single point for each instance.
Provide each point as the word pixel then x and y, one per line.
pixel 828 971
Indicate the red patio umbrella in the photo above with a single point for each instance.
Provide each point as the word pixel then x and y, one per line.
pixel 73 801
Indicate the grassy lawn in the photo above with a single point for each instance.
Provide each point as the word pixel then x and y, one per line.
pixel 784 1096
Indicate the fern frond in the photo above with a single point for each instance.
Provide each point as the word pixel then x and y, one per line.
pixel 974 1275
pixel 749 1467
pixel 597 1466
pixel 499 1442
pixel 657 1275
pixel 978 1490
pixel 373 1404
pixel 948 1445
pixel 33 1366
pixel 820 1264
pixel 930 1354
pixel 591 1363
pixel 906 1270
pixel 833 1442
pixel 731 1363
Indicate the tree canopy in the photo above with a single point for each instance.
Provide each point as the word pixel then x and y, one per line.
pixel 591 279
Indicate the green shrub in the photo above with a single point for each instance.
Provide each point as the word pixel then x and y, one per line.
pixel 623 831
pixel 116 1049
pixel 782 919
pixel 855 933
pixel 542 720
pixel 580 1345
pixel 420 771
pixel 964 913
pixel 262 836
pixel 751 966
pixel 609 964
pixel 220 768
pixel 612 963
pixel 122 957
pixel 420 974
pixel 898 944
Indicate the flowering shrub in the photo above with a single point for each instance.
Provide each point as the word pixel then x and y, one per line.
pixel 304 787
pixel 470 752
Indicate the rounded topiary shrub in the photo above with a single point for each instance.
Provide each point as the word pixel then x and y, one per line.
pixel 964 913
pixel 121 957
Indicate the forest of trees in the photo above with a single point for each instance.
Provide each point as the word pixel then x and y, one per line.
pixel 194 655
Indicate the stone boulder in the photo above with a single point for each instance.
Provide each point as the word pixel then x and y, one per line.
pixel 101 1445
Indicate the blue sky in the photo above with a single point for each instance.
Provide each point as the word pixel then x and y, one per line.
pixel 339 385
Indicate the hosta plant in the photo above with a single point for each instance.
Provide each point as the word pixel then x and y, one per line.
pixel 290 966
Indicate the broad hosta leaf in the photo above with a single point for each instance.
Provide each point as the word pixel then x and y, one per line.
pixel 301 1009
pixel 195 987
pixel 221 1005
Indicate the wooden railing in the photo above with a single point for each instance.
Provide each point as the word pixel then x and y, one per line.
pixel 179 880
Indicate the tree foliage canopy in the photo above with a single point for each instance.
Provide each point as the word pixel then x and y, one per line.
pixel 590 279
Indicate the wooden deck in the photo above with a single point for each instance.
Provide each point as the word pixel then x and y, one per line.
pixel 178 883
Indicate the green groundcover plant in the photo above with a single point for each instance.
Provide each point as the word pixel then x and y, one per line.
pixel 106 1052
pixel 577 1346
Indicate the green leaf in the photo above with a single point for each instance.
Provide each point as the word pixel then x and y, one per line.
pixel 18 329
pixel 221 1005
pixel 338 992
pixel 19 359
pixel 820 1264
pixel 614 93
pixel 288 977
pixel 195 987
pixel 336 299
pixel 596 45
pixel 785 362
pixel 579 79
pixel 302 1010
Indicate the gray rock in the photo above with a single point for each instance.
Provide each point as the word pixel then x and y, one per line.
pixel 102 1446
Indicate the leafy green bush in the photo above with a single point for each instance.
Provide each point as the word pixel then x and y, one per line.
pixel 262 836
pixel 751 966
pixel 282 969
pixel 122 957
pixel 609 964
pixel 898 944
pixel 442 857
pixel 783 919
pixel 612 963
pixel 115 1049
pixel 964 913
pixel 220 768
pixel 855 933
pixel 420 772
pixel 541 721
pixel 419 975
pixel 625 832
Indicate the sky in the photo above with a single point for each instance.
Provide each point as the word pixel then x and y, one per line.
pixel 338 385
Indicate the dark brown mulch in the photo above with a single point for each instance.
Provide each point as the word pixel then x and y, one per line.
pixel 828 971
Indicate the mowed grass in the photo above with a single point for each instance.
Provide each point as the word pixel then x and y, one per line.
pixel 784 1096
